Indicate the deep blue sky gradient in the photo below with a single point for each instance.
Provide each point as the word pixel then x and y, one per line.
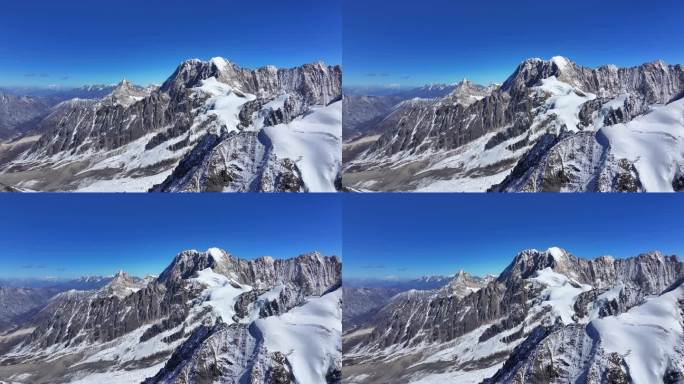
pixel 71 235
pixel 412 235
pixel 411 43
pixel 75 42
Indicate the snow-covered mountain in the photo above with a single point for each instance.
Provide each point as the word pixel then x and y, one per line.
pixel 212 126
pixel 364 297
pixel 21 109
pixel 551 126
pixel 549 317
pixel 208 317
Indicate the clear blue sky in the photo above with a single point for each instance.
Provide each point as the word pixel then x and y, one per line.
pixel 411 235
pixel 416 42
pixel 75 42
pixel 84 234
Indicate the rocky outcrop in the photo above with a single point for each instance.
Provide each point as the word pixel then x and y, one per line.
pixel 77 317
pixel 464 284
pixel 221 353
pixel 236 162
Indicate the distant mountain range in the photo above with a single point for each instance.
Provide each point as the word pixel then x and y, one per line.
pixel 22 298
pixel 549 317
pixel 208 317
pixel 212 126
pixel 551 126
pixel 362 106
pixel 362 298
pixel 20 108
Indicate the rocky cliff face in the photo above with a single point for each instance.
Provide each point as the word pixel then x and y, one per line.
pixel 549 116
pixel 137 138
pixel 542 299
pixel 203 301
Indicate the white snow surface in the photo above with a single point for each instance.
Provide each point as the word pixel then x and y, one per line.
pixel 461 377
pixel 310 336
pixel 216 253
pixel 224 102
pixel 221 293
pixel 654 142
pixel 126 184
pixel 561 62
pixel 314 143
pixel 472 156
pixel 557 253
pixel 560 293
pixel 564 103
pixel 612 294
pixel 647 336
pixel 120 377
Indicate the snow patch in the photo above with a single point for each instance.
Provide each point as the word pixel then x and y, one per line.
pixel 220 63
pixel 561 62
pixel 560 293
pixel 120 377
pixel 310 336
pixel 221 293
pixel 224 102
pixel 216 253
pixel 654 142
pixel 564 103
pixel 556 253
pixel 314 143
pixel 646 336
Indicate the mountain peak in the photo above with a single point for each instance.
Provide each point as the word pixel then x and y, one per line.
pixel 221 63
pixel 557 253
pixel 126 93
pixel 124 87
pixel 531 71
pixel 528 261
pixel 462 275
pixel 121 274
pixel 217 254
pixel 464 84
pixel 122 285
pixel 466 92
pixel 563 63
